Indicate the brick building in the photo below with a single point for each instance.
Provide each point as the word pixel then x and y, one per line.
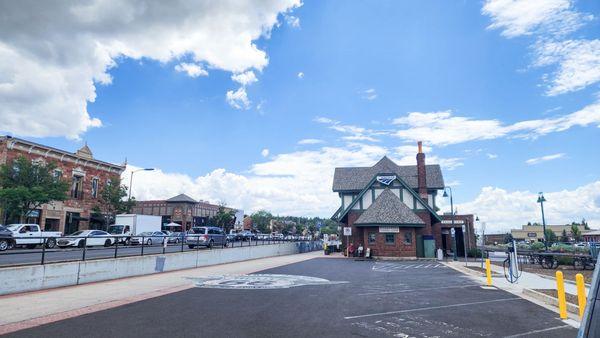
pixel 391 209
pixel 183 210
pixel 85 174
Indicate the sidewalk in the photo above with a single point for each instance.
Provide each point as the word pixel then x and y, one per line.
pixel 528 281
pixel 41 307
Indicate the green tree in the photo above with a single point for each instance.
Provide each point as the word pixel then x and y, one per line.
pixel 564 237
pixel 224 218
pixel 508 238
pixel 551 236
pixel 112 200
pixel 261 219
pixel 585 224
pixel 25 186
pixel 576 233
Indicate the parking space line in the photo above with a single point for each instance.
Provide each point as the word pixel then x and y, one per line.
pixel 433 308
pixel 538 331
pixel 413 290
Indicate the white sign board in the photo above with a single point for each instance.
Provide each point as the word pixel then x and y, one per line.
pixel 386 179
pixel 347 231
pixel 452 232
pixel 389 230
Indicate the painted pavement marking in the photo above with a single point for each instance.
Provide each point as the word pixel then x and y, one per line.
pixel 416 290
pixel 538 331
pixel 433 308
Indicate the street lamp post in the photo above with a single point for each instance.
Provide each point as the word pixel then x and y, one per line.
pixel 131 179
pixel 454 257
pixel 541 199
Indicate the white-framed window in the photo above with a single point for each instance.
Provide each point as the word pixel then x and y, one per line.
pixel 95 181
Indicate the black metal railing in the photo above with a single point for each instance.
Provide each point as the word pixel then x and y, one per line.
pixel 75 248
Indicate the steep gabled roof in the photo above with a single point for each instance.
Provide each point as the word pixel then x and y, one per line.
pixel 352 179
pixel 388 209
pixel 182 198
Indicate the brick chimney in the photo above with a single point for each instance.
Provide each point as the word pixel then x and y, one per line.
pixel 421 172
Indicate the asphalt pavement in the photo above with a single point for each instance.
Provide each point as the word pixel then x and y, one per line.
pixel 20 256
pixel 366 298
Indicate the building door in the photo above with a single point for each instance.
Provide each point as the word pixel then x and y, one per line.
pixel 71 222
pixel 51 224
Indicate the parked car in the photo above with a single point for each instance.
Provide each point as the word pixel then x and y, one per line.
pixel 174 237
pixel 86 238
pixel 6 238
pixel 262 237
pixel 31 235
pixel 248 235
pixel 232 237
pixel 277 237
pixel 148 238
pixel 206 236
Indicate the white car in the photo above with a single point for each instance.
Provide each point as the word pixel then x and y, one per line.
pixel 86 238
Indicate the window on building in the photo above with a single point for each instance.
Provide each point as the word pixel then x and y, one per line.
pixel 390 238
pixel 77 187
pixel 372 238
pixel 57 175
pixel 94 187
pixel 407 237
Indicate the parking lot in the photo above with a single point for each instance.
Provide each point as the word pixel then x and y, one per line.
pixel 362 298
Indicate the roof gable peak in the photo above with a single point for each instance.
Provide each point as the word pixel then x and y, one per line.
pixel 386 165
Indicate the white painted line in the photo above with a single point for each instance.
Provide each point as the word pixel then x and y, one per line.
pixel 437 265
pixel 538 331
pixel 414 290
pixel 418 266
pixel 433 308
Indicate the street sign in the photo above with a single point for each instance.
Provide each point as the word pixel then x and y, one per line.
pixel 463 228
pixel 452 232
pixel 347 231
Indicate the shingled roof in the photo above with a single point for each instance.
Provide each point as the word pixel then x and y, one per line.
pixel 182 198
pixel 388 209
pixel 349 179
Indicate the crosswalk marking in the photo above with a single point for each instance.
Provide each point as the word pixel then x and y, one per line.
pixel 389 267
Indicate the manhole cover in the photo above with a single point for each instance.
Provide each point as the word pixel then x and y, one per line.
pixel 259 281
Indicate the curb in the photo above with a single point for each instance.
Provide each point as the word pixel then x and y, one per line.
pixel 572 308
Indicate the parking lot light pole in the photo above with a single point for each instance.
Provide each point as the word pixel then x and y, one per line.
pixel 541 199
pixel 454 257
pixel 131 179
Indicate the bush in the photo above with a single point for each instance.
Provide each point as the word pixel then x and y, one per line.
pixel 474 252
pixel 537 246
pixel 564 260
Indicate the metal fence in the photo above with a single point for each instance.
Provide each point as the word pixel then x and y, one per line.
pixel 74 248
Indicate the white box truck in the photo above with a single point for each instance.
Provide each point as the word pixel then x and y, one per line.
pixel 128 225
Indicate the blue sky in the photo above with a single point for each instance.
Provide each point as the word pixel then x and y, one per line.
pixel 494 86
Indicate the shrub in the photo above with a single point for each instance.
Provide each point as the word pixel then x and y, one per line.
pixel 474 252
pixel 537 246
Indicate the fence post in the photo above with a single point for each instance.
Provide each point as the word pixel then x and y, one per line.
pixel 560 289
pixel 84 248
pixel 116 246
pixel 43 250
pixel 142 246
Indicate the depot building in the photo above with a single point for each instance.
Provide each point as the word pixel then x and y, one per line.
pixel 391 209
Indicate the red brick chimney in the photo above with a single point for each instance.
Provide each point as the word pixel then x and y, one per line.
pixel 421 172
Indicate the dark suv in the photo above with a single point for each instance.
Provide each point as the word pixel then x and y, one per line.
pixel 6 238
pixel 206 236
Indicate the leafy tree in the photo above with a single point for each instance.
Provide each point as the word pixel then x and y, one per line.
pixel 261 219
pixel 576 232
pixel 25 186
pixel 508 238
pixel 224 218
pixel 551 236
pixel 585 224
pixel 564 237
pixel 112 200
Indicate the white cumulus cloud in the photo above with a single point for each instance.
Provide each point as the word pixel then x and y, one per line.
pixel 310 141
pixel 54 54
pixel 238 99
pixel 191 69
pixel 265 152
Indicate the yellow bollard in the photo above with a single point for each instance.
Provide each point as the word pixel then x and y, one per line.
pixel 560 288
pixel 580 294
pixel 488 272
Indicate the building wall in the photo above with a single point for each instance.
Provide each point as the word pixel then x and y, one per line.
pixel 69 164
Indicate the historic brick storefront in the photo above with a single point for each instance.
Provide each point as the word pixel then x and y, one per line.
pixel 182 210
pixel 391 209
pixel 85 174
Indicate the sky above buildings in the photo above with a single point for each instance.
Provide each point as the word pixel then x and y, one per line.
pixel 254 103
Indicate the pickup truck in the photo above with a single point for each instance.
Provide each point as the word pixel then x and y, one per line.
pixel 30 235
pixel 6 238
